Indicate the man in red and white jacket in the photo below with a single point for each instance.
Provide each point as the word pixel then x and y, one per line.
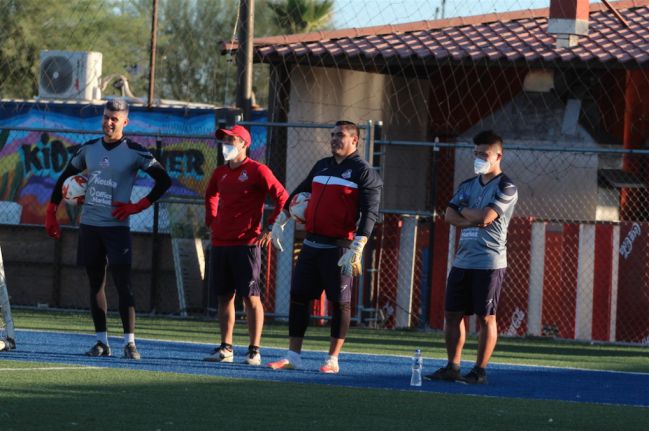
pixel 234 204
pixel 340 215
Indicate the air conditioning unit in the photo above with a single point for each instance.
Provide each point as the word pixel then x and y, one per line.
pixel 70 75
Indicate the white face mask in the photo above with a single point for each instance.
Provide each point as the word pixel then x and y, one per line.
pixel 230 152
pixel 481 166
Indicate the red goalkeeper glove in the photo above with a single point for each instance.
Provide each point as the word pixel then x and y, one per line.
pixel 51 225
pixel 124 209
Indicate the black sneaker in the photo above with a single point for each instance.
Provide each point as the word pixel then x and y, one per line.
pixel 474 377
pixel 99 349
pixel 447 373
pixel 130 352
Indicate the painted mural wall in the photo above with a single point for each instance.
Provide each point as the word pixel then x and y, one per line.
pixel 38 138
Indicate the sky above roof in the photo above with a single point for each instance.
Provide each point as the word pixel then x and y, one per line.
pixel 365 13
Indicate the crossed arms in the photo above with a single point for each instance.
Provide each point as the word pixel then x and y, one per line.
pixel 470 217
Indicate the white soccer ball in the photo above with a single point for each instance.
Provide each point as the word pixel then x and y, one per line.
pixel 74 189
pixel 298 205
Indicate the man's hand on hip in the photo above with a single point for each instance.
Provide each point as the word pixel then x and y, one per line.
pixel 124 209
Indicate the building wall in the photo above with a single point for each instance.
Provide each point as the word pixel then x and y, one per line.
pixel 551 185
pixel 324 95
pixel 406 169
pixel 529 119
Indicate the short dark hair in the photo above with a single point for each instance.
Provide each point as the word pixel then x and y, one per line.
pixel 488 137
pixel 117 105
pixel 348 125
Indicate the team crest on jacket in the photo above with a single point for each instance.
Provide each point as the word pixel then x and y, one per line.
pixel 244 176
pixel 104 163
pixel 347 174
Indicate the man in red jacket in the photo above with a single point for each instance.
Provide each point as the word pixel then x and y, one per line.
pixel 234 204
pixel 343 207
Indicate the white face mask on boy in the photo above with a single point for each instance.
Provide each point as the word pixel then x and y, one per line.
pixel 230 152
pixel 481 166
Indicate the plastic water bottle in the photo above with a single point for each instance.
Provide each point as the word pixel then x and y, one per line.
pixel 417 366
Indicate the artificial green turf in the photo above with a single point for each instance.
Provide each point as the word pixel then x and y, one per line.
pixel 361 340
pixel 127 399
pixel 118 399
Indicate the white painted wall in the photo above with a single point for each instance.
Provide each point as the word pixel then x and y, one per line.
pixel 551 184
pixel 324 95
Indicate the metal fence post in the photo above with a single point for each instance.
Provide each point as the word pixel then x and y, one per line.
pixel 283 273
pixel 155 243
pixel 369 156
pixel 425 305
pixel 406 271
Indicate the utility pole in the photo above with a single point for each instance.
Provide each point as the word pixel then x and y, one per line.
pixel 155 237
pixel 154 47
pixel 244 57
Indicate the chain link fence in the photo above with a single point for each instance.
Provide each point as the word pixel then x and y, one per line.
pixel 577 260
pixel 577 248
pixel 578 253
pixel 33 158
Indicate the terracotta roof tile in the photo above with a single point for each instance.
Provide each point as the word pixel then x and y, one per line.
pixel 497 37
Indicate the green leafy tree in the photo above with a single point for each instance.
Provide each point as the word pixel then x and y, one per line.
pixel 190 63
pixel 302 16
pixel 27 28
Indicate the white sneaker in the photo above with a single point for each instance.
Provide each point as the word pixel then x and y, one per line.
pixel 330 366
pixel 292 361
pixel 253 357
pixel 221 354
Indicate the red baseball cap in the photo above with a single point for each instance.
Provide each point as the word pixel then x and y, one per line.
pixel 237 130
